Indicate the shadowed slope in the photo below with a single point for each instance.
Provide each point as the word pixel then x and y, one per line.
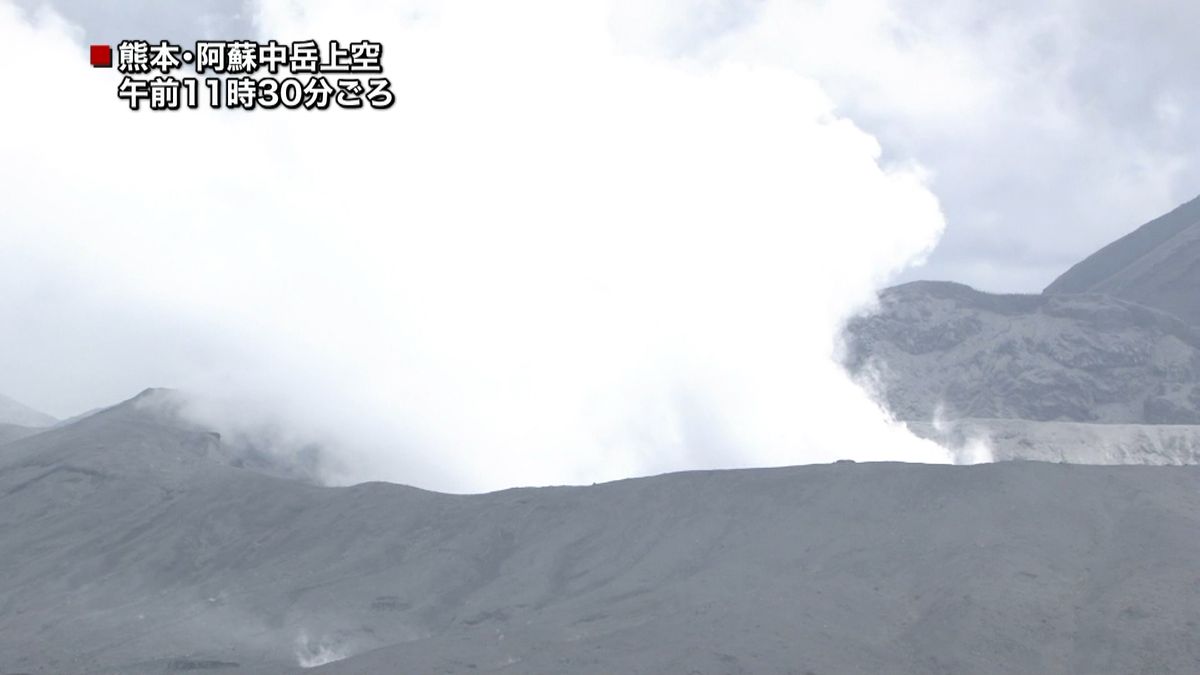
pixel 1157 265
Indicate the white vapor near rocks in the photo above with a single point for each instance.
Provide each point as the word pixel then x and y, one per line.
pixel 311 654
pixel 555 259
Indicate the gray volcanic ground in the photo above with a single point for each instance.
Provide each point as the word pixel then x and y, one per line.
pixel 12 432
pixel 134 543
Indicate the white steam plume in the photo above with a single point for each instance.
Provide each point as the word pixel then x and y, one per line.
pixel 554 260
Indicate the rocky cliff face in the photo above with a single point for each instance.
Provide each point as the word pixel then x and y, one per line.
pixel 938 349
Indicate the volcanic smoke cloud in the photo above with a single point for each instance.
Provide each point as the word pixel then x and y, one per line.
pixel 560 257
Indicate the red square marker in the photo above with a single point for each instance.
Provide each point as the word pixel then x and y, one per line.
pixel 101 56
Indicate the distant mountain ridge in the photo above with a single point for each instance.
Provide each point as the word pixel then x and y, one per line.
pixel 13 412
pixel 1157 265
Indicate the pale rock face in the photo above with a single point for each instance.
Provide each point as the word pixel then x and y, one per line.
pixel 1102 368
pixel 937 348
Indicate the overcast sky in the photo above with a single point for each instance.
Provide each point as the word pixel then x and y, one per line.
pixel 626 228
pixel 1049 127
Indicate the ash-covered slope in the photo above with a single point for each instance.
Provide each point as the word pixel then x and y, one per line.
pixel 14 432
pixel 138 426
pixel 1011 568
pixel 13 412
pixel 946 350
pixel 1157 265
pixel 120 531
pixel 134 546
